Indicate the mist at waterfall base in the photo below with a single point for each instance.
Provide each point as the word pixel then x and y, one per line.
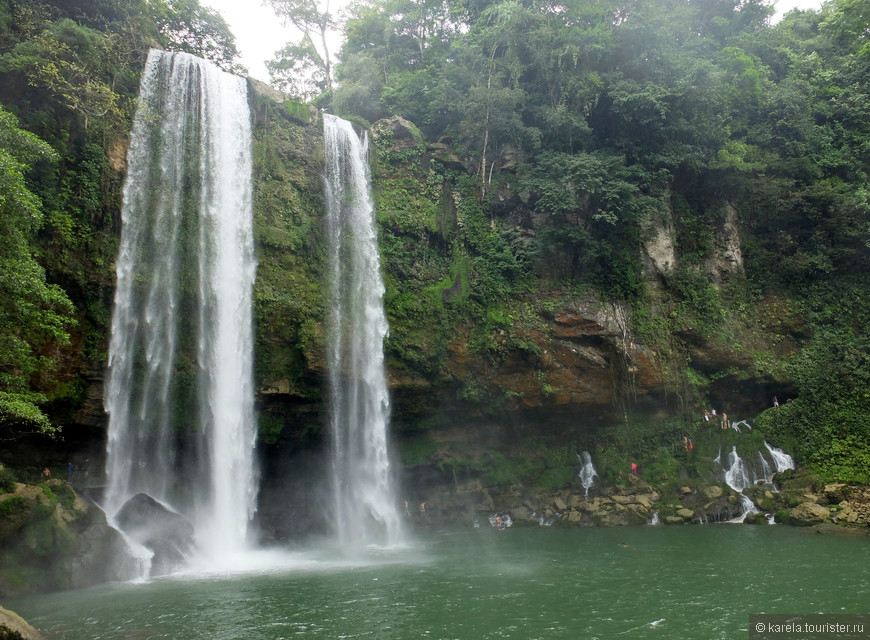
pixel 689 582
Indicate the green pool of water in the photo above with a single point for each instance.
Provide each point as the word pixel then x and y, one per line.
pixel 639 582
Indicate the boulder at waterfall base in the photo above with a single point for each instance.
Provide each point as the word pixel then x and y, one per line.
pixel 167 533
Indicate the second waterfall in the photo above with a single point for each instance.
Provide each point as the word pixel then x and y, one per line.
pixel 364 496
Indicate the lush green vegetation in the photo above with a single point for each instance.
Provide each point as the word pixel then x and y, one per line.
pixel 605 121
pixel 69 74
pixel 828 423
pixel 612 114
pixel 32 312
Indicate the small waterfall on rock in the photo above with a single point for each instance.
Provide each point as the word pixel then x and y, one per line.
pixel 781 460
pixel 766 473
pixel 587 473
pixel 364 498
pixel 180 384
pixel 738 476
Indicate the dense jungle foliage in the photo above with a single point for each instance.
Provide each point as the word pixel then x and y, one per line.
pixel 565 135
pixel 612 118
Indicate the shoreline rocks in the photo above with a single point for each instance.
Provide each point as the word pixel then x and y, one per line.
pixel 638 503
pixel 14 627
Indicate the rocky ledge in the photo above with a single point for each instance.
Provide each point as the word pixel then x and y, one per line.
pixel 800 501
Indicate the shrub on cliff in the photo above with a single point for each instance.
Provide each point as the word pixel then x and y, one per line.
pixel 826 425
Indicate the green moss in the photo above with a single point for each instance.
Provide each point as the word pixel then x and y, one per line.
pixel 12 506
pixel 7 480
pixel 501 470
pixel 48 493
pixel 65 495
pixel 414 452
pixel 270 427
pixel 288 207
pixel 300 111
pixel 552 479
pixel 47 537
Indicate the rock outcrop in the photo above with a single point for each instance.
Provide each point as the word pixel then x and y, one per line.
pixel 14 627
pixel 808 513
pixel 169 535
pixel 52 539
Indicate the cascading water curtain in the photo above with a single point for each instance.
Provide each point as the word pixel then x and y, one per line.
pixel 180 381
pixel 364 496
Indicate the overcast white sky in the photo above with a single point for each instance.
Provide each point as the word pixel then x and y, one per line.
pixel 259 34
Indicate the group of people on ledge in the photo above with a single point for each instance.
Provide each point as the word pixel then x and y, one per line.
pixel 711 415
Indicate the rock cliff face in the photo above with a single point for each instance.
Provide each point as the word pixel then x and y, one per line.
pixel 575 355
pixel 563 353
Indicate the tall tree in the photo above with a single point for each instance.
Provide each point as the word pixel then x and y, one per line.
pixel 304 57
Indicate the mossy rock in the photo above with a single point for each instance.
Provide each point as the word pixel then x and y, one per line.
pixel 781 517
pixel 14 514
pixel 7 480
pixel 755 518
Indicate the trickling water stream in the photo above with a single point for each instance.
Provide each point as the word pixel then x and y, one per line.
pixel 738 476
pixel 781 460
pixel 180 383
pixel 587 472
pixel 364 497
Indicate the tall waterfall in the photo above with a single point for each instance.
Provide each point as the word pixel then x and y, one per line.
pixel 180 381
pixel 364 497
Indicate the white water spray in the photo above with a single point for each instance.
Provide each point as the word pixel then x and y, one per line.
pixel 766 473
pixel 180 381
pixel 587 473
pixel 364 498
pixel 781 460
pixel 738 476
